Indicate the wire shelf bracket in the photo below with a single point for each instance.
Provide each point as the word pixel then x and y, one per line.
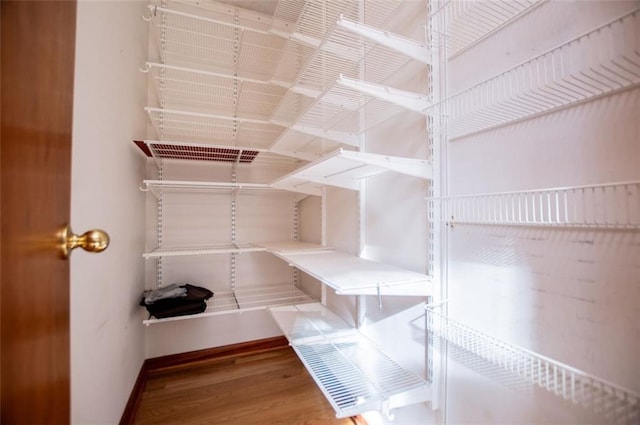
pixel 401 44
pixel 412 101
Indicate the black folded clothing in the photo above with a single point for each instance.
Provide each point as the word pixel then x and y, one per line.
pixel 194 302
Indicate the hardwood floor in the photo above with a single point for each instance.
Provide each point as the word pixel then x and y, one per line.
pixel 271 387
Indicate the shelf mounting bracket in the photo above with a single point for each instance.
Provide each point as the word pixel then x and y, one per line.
pixel 409 100
pixel 396 42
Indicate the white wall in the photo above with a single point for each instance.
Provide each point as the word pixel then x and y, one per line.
pixel 107 343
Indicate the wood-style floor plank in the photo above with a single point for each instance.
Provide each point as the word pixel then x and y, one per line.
pixel 270 387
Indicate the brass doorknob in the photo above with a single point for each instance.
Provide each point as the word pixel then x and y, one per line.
pixel 91 241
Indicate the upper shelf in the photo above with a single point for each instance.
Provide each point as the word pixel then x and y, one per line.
pixel 468 22
pixel 226 77
pixel 345 169
pixel 601 62
pixel 611 205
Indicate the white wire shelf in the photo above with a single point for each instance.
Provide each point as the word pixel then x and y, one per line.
pixel 345 110
pixel 351 275
pixel 217 93
pixel 245 299
pixel 216 248
pixel 338 48
pixel 158 187
pixel 611 205
pixel 288 247
pixel 345 169
pixel 600 62
pixel 354 374
pixel 227 130
pixel 469 22
pixel 612 402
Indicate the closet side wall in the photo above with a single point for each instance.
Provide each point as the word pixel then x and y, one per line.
pixel 107 340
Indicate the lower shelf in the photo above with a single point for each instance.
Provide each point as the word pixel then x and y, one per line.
pixel 246 299
pixel 354 375
pixel 612 403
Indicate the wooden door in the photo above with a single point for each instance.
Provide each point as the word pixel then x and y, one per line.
pixel 38 45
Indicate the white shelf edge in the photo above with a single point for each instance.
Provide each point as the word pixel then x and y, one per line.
pixel 399 282
pixel 160 186
pixel 227 248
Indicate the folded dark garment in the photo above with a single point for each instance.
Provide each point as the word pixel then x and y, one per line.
pixel 194 302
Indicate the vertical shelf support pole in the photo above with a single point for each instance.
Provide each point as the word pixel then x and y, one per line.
pixel 323 236
pixel 159 227
pixel 436 31
pixel 296 236
pixel 232 271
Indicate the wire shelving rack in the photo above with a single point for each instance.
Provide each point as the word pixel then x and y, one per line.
pixel 610 205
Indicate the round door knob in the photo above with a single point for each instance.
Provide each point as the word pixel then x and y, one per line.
pixel 91 241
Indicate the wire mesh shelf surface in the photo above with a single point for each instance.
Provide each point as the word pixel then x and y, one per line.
pixel 210 41
pixel 214 248
pixel 354 375
pixel 614 403
pixel 603 61
pixel 246 299
pixel 180 88
pixel 612 205
pixel 213 128
pixel 158 187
